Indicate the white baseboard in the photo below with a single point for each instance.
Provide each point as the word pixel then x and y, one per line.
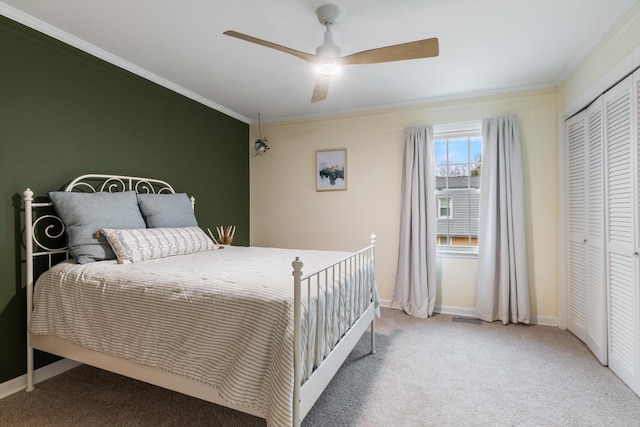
pixel 455 311
pixel 18 384
pixel 470 312
pixel 385 303
pixel 544 320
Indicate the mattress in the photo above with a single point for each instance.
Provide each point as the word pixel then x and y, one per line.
pixel 222 317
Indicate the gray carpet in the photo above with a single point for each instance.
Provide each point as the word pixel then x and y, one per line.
pixel 433 372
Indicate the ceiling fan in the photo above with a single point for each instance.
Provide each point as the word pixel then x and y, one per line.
pixel 328 59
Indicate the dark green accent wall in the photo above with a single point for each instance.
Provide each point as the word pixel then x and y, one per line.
pixel 64 113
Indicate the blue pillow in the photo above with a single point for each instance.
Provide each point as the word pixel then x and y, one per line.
pixel 84 214
pixel 167 210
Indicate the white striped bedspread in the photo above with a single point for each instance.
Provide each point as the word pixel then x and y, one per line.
pixel 222 317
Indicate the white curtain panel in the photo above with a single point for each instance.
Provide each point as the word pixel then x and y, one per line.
pixel 415 288
pixel 503 289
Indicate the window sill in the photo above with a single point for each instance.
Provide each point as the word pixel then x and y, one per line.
pixel 449 253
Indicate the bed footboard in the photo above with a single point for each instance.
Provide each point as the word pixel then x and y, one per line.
pixel 359 270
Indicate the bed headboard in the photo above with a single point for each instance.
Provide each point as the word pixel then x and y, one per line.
pixel 44 232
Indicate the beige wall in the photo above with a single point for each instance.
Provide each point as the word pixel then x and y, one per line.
pixel 286 211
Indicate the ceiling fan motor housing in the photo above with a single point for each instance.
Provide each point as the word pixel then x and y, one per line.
pixel 328 49
pixel 328 14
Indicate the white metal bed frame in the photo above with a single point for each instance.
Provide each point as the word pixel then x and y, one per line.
pixel 305 393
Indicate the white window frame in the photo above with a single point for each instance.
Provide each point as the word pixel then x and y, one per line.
pixel 451 131
pixel 449 207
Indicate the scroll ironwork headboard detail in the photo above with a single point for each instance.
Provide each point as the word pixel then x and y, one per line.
pixel 43 233
pixel 115 183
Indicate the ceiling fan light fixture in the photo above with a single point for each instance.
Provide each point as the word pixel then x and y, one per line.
pixel 329 68
pixel 328 60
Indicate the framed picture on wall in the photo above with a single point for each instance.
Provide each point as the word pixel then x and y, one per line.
pixel 331 170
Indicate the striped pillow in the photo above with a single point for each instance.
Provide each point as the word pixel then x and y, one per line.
pixel 140 244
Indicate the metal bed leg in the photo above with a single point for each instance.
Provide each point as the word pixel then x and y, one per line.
pixel 30 386
pixel 297 340
pixel 373 238
pixel 27 196
pixel 373 337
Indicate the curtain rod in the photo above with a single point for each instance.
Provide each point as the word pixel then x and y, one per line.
pixel 455 125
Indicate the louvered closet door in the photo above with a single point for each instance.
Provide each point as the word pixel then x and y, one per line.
pixel 621 193
pixel 585 219
pixel 596 338
pixel 577 274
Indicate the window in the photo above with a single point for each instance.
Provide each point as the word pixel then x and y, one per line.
pixel 458 161
pixel 445 207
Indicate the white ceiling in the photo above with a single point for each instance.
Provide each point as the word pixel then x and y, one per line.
pixel 486 46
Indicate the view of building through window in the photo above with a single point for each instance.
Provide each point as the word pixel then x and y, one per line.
pixel 458 164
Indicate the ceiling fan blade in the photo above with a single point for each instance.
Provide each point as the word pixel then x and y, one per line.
pixel 413 50
pixel 302 55
pixel 321 89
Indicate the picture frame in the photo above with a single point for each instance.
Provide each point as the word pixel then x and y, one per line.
pixel 331 170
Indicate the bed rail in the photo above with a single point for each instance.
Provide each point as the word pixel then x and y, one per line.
pixel 355 275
